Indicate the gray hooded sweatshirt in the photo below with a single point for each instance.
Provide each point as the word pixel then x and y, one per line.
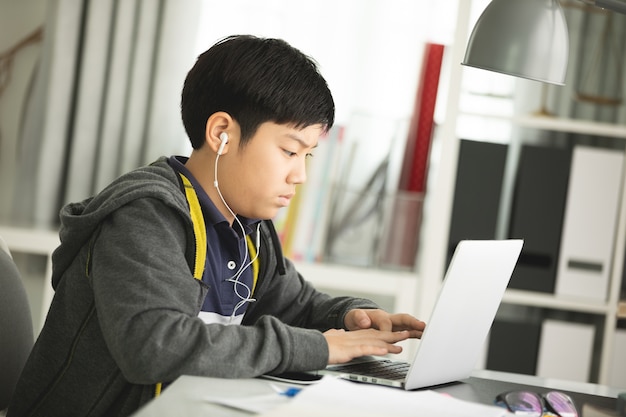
pixel 125 312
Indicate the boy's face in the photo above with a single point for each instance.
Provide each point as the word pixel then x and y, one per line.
pixel 260 178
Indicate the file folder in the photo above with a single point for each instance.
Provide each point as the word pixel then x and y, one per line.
pixel 513 346
pixel 477 193
pixel 590 222
pixel 537 215
pixel 565 350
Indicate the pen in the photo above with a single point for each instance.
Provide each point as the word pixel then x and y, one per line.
pixel 289 392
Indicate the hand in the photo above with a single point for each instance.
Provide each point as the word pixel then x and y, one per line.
pixel 379 319
pixel 344 346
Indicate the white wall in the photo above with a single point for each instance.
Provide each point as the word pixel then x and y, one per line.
pixel 369 51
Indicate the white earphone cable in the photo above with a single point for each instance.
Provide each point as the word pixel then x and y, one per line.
pixel 235 278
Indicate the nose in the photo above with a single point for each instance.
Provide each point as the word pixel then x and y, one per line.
pixel 297 175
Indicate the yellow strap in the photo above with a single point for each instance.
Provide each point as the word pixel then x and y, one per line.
pixel 199 231
pixel 255 263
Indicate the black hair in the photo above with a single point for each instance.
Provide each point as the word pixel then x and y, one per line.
pixel 254 80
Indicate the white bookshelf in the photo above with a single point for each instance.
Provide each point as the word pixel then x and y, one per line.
pixel 609 308
pixel 439 199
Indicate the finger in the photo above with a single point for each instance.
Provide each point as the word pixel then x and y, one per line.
pixel 344 346
pixel 389 337
pixel 358 319
pixel 400 336
pixel 407 322
pixel 385 324
pixel 415 334
pixel 380 320
pixel 382 350
pixel 388 343
pixel 395 349
pixel 363 320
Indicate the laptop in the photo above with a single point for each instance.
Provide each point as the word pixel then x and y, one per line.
pixel 455 333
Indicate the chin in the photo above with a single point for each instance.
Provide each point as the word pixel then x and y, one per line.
pixel 267 215
pixel 262 215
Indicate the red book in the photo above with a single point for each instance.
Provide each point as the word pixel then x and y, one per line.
pixel 415 164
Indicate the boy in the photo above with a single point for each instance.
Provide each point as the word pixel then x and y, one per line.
pixel 128 313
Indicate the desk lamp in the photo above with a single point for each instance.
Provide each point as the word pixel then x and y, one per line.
pixel 524 38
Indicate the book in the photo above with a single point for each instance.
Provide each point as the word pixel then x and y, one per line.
pixel 301 228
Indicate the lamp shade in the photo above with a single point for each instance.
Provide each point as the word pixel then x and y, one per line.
pixel 524 38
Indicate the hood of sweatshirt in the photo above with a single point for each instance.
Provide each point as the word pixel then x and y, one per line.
pixel 80 220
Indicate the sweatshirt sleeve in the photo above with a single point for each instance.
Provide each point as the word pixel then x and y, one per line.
pixel 147 303
pixel 297 302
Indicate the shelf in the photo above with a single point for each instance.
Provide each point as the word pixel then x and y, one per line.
pixel 558 124
pixel 352 277
pixel 36 241
pixel 545 300
pixel 401 286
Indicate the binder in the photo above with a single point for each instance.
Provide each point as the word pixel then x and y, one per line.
pixel 590 222
pixel 565 350
pixel 513 346
pixel 537 215
pixel 477 193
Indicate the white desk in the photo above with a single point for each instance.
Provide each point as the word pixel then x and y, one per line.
pixel 191 396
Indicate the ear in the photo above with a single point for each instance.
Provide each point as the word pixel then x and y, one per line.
pixel 218 123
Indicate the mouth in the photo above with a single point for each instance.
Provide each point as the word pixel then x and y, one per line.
pixel 283 200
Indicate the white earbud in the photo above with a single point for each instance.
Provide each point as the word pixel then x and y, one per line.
pixel 224 139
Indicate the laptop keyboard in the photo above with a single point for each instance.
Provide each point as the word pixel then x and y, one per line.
pixel 378 369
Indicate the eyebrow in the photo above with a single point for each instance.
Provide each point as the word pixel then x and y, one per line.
pixel 301 141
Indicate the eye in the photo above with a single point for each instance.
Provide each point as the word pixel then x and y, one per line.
pixel 289 153
pixel 309 156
